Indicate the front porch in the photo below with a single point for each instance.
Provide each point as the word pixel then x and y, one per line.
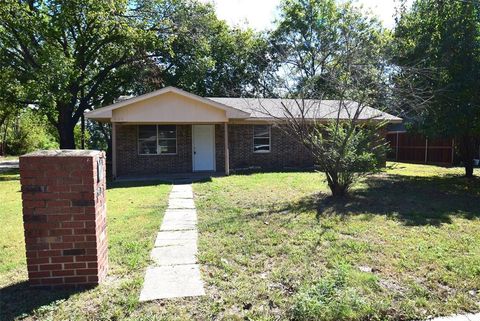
pixel 173 132
pixel 169 151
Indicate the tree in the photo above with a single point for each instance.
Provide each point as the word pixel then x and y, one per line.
pixel 444 36
pixel 67 57
pixel 306 39
pixel 323 51
pixel 25 131
pixel 71 55
pixel 207 57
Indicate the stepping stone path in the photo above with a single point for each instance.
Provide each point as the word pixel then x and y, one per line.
pixel 175 272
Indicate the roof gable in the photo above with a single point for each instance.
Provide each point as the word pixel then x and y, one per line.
pixel 169 108
pixel 171 104
pixel 149 105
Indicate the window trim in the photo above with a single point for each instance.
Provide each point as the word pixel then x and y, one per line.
pixel 269 140
pixel 157 141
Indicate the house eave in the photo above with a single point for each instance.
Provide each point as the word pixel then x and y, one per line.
pixel 107 112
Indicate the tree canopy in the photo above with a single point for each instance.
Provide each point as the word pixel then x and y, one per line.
pixel 206 56
pixel 68 56
pixel 444 36
pixel 315 40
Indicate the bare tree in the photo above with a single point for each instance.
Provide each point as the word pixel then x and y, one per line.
pixel 335 82
pixel 344 136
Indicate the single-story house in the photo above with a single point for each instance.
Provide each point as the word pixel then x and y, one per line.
pixel 174 131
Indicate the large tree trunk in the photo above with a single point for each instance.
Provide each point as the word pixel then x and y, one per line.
pixel 67 137
pixel 467 153
pixel 65 128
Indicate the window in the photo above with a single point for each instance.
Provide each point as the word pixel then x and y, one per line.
pixel 261 139
pixel 167 139
pixel 153 139
pixel 147 140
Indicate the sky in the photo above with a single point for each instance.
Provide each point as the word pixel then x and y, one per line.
pixel 259 14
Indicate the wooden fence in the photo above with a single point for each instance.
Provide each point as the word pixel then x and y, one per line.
pixel 414 148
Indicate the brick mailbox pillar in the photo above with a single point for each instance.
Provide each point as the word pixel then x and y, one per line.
pixel 64 215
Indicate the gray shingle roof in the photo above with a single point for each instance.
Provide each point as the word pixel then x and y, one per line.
pixel 314 109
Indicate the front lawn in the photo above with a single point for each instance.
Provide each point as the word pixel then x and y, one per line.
pixel 404 246
pixel 273 246
pixel 134 215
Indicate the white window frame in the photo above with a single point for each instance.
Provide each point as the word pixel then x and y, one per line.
pixel 157 141
pixel 269 140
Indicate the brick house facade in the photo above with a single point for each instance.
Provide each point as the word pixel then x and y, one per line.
pixel 285 152
pixel 173 131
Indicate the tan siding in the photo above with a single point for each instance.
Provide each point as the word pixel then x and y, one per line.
pixel 169 108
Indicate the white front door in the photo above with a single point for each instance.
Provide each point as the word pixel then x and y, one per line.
pixel 203 143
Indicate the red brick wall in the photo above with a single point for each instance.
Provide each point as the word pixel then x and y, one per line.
pixel 64 214
pixel 220 148
pixel 285 151
pixel 129 162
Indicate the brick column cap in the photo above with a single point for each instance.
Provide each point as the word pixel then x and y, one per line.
pixel 63 153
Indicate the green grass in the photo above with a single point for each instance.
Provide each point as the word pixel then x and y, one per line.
pixel 12 245
pixel 406 243
pixel 274 246
pixel 134 215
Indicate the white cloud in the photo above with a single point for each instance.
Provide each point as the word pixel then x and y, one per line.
pixel 259 14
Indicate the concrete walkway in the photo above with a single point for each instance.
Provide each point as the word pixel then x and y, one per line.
pixel 464 317
pixel 8 165
pixel 175 272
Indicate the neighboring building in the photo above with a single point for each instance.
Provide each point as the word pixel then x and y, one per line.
pixel 173 131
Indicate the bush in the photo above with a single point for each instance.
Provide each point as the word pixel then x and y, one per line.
pixel 77 131
pixel 29 131
pixel 346 152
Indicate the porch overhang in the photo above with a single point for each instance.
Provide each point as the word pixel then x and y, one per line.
pixel 168 105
